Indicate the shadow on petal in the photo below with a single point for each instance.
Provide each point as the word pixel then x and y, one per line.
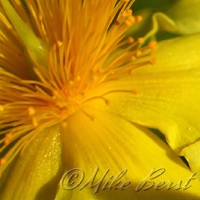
pixel 130 193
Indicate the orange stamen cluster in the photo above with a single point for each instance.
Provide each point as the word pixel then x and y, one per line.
pixel 87 50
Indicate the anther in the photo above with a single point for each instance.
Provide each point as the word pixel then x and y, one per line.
pixel 130 40
pixel 132 58
pixel 134 92
pixel 140 40
pixel 2 161
pixel 152 54
pixel 138 18
pixel 131 19
pixel 107 101
pixel 1 108
pixel 132 71
pixel 7 139
pixel 153 45
pixel 71 83
pixel 153 61
pixel 117 23
pixel 55 93
pixel 59 43
pixel 128 23
pixel 31 111
pixel 138 53
pixel 124 14
pixel 78 78
pixel 129 12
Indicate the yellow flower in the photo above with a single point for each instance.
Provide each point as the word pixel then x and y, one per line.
pixel 76 97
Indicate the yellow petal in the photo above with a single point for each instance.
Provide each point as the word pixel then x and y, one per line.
pixel 36 172
pixel 192 154
pixel 114 159
pixel 186 16
pixel 164 96
pixel 152 23
pixel 181 17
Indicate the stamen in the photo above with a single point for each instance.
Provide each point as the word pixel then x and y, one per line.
pixel 88 115
pixel 34 121
pixel 117 91
pixel 130 21
pixel 107 102
pixel 33 45
pixel 83 57
pixel 7 139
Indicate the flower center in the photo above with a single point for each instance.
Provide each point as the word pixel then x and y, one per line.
pixel 66 71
